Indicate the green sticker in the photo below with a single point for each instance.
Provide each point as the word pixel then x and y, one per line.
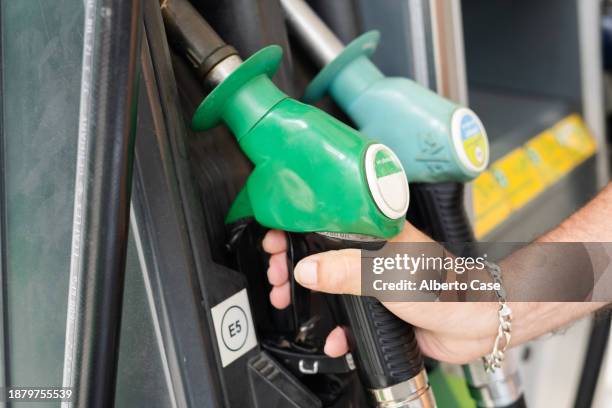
pixel 385 164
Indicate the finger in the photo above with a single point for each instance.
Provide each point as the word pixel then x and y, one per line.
pixel 275 242
pixel 336 272
pixel 277 269
pixel 336 344
pixel 280 296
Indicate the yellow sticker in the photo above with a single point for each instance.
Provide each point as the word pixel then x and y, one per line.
pixel 550 158
pixel 524 173
pixel 491 205
pixel 518 176
pixel 573 134
pixel 476 149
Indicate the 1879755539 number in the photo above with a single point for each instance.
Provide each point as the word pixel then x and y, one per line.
pixel 34 394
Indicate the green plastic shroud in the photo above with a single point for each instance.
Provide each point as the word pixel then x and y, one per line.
pixel 309 173
pixel 435 139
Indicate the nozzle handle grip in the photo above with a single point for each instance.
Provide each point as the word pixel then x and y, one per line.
pixel 193 37
pixel 384 346
pixel 438 209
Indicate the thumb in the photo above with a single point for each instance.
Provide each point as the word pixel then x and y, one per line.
pixel 337 272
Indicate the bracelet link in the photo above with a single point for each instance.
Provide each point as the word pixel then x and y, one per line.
pixel 494 360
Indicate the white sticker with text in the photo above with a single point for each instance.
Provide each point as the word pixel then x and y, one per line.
pixel 234 327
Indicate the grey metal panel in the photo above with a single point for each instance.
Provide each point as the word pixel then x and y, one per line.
pixel 42 68
pixel 159 224
pixel 142 376
pixel 512 118
pixel 3 260
pixel 523 45
pixel 402 22
pixel 524 65
pixel 591 65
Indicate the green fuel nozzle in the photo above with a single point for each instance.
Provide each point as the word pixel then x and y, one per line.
pixel 435 139
pixel 312 173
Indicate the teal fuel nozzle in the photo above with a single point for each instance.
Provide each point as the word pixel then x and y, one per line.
pixel 312 173
pixel 436 140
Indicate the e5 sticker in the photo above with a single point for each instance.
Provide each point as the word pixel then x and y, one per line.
pixel 234 327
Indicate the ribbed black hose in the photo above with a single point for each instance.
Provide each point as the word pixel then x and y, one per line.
pixel 439 210
pixel 102 197
pixel 384 346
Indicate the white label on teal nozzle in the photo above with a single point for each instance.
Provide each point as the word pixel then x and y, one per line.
pixel 387 181
pixel 470 140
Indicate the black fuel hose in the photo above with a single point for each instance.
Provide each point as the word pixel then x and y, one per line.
pixel 200 44
pixel 102 199
pixel 439 210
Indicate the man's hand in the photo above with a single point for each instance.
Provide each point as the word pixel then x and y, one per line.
pixel 453 332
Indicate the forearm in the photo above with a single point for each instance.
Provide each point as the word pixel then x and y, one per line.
pixel 589 224
pixel 532 319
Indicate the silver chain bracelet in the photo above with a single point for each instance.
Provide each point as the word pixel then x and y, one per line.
pixel 494 360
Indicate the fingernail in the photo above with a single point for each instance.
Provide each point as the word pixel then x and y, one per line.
pixel 306 272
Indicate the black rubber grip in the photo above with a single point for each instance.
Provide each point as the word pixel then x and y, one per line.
pixel 438 210
pixel 384 347
pixel 193 37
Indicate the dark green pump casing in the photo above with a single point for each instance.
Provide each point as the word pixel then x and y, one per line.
pixel 435 139
pixel 312 173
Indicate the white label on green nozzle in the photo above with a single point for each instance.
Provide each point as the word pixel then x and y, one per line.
pixel 470 140
pixel 387 181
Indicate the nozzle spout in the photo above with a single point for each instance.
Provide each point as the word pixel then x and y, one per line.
pixel 320 42
pixel 191 36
